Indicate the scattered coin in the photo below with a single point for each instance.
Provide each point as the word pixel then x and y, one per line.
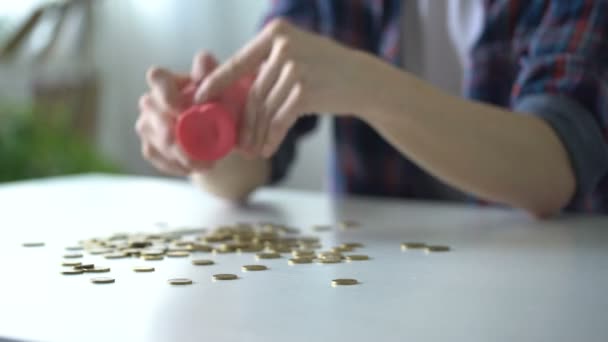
pixel 152 257
pixel 178 254
pixel 72 256
pixel 72 272
pixel 97 270
pixel 225 276
pixel 329 260
pixel 116 255
pixel 268 255
pixel 98 251
pixel 412 245
pixel 432 249
pixel 202 262
pixel 102 280
pixel 303 253
pixel 180 281
pixel 300 260
pixel 84 266
pixel 356 257
pixel 254 268
pixel 340 249
pixel 74 248
pixel 33 244
pixel 143 269
pixel 351 245
pixel 71 263
pixel 344 282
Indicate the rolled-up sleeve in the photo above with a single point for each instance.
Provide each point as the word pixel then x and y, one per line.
pixel 563 79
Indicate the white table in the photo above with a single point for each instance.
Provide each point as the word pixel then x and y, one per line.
pixel 508 278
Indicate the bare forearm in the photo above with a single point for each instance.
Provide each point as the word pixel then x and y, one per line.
pixel 488 151
pixel 233 178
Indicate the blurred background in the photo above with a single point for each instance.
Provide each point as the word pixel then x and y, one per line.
pixel 71 73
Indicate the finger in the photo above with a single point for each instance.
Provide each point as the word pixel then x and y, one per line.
pixel 244 62
pixel 277 96
pixel 165 89
pixel 152 155
pixel 202 65
pixel 266 78
pixel 283 120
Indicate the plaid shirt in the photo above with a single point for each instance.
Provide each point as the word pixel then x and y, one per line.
pixel 547 58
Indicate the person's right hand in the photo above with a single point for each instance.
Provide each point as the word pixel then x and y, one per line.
pixel 158 112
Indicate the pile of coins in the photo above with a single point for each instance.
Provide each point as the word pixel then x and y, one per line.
pixel 264 240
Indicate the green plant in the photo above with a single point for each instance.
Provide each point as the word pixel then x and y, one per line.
pixel 34 145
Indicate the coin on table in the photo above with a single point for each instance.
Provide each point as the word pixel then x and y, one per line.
pixel 178 254
pixel 33 244
pixel 84 266
pixel 351 245
pixel 102 280
pixel 412 245
pixel 268 255
pixel 97 251
pixel 329 260
pixel 72 272
pixel 97 270
pixel 432 249
pixel 202 262
pixel 254 268
pixel 344 282
pixel 153 257
pixel 225 276
pixel 180 281
pixel 356 257
pixel 71 263
pixel 116 255
pixel 300 260
pixel 143 269
pixel 299 253
pixel 72 256
pixel 74 248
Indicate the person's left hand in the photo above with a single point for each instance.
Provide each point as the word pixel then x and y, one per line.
pixel 297 72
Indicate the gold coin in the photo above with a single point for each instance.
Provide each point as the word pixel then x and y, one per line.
pixel 71 263
pixel 352 245
pixel 117 255
pixel 356 257
pixel 72 272
pixel 412 245
pixel 84 266
pixel 343 282
pixel 33 244
pixel 225 276
pixel 254 268
pixel 143 269
pixel 251 249
pixel 180 281
pixel 431 249
pixel 178 254
pixel 102 280
pixel 268 255
pixel 146 253
pixel 72 256
pixel 202 262
pixel 97 251
pixel 340 249
pixel 300 260
pixel 329 260
pixel 197 247
pixel 152 257
pixel 97 270
pixel 298 253
pixel 74 248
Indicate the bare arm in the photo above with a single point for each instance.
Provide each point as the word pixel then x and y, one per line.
pixel 485 150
